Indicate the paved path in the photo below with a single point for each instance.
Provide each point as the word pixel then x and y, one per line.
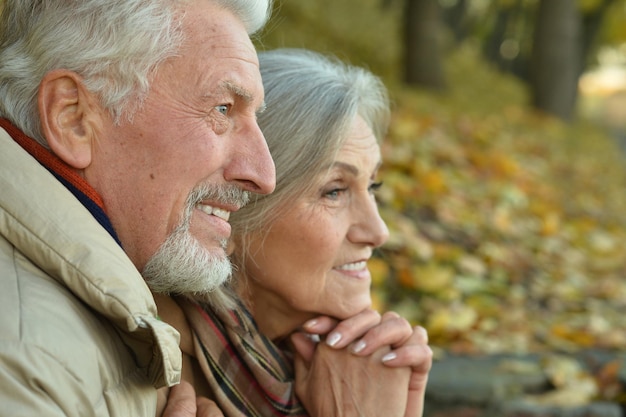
pixel 524 386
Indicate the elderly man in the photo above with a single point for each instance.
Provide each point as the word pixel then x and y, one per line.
pixel 128 134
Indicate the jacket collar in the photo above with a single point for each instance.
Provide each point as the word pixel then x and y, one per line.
pixel 40 217
pixel 67 175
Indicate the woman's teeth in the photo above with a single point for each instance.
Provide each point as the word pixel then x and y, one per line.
pixel 356 266
pixel 222 214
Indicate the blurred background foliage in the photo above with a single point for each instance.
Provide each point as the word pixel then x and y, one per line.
pixel 507 215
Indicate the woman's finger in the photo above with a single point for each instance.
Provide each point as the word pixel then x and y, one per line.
pixel 320 325
pixel 393 331
pixel 418 357
pixel 344 332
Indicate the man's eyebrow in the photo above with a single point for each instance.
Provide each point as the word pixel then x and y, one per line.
pixel 238 91
pixel 243 94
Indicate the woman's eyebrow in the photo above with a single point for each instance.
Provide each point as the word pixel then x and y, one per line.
pixel 345 166
pixel 354 170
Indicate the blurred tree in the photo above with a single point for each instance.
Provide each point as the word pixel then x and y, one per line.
pixel 500 31
pixel 423 53
pixel 555 63
pixel 548 44
pixel 455 17
pixel 594 13
pixel 412 38
pixel 503 43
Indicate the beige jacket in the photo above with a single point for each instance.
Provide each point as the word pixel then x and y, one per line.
pixel 78 329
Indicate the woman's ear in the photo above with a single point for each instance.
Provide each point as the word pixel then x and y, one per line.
pixel 68 114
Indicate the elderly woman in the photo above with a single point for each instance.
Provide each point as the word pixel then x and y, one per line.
pixel 300 257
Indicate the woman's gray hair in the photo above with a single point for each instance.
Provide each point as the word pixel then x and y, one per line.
pixel 114 45
pixel 311 101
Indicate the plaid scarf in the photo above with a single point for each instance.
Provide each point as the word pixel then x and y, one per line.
pixel 65 174
pixel 248 374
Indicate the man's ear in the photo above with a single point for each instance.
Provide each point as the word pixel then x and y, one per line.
pixel 69 114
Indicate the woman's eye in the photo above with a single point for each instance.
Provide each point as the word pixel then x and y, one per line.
pixel 222 108
pixel 334 193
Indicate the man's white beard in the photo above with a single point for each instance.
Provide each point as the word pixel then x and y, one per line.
pixel 182 265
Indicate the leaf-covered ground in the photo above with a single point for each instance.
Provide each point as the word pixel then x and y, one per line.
pixel 508 228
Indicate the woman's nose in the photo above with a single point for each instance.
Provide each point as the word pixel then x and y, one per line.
pixel 369 227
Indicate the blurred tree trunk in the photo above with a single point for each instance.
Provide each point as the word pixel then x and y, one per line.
pixel 455 17
pixel 512 19
pixel 592 23
pixel 423 56
pixel 556 58
pixel 493 42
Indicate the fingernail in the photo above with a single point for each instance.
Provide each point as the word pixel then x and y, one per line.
pixel 358 346
pixel 309 324
pixel 333 338
pixel 389 356
pixel 313 337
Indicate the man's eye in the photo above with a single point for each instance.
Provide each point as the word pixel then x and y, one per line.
pixel 222 108
pixel 375 186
